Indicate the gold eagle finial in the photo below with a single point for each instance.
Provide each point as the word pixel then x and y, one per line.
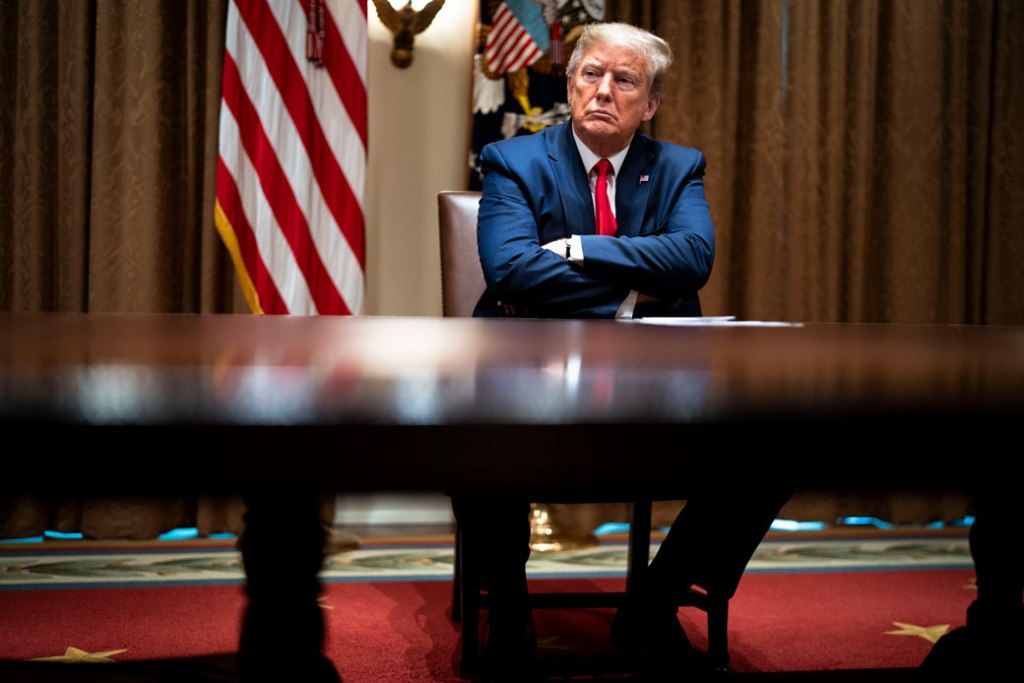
pixel 405 23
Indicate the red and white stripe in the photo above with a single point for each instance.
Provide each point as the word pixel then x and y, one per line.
pixel 509 46
pixel 292 165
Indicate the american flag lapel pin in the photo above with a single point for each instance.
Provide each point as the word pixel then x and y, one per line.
pixel 644 178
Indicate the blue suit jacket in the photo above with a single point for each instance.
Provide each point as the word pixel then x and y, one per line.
pixel 535 190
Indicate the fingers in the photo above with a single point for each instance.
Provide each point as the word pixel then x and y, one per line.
pixel 511 310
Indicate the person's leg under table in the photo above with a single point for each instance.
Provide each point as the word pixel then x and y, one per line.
pixel 986 647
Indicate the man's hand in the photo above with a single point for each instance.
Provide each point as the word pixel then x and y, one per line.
pixel 511 310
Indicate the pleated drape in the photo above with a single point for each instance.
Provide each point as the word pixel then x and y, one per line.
pixel 861 154
pixel 108 148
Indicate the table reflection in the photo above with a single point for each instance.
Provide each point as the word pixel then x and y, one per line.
pixel 422 371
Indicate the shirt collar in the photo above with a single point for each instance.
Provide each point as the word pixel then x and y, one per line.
pixel 589 158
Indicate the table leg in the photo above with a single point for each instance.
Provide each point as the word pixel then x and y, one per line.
pixel 283 627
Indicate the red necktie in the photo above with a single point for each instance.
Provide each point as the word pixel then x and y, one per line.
pixel 604 219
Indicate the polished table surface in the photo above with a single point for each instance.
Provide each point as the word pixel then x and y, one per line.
pixel 431 403
pixel 284 408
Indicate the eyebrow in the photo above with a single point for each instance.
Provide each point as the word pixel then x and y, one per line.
pixel 623 70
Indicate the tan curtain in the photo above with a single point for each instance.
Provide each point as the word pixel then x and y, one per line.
pixel 109 139
pixel 108 147
pixel 864 156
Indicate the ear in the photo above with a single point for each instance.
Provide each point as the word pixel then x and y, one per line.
pixel 652 107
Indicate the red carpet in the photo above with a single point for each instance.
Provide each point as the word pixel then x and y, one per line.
pixel 401 631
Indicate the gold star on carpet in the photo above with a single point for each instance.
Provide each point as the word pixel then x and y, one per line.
pixel 550 643
pixel 73 654
pixel 929 633
pixel 323 603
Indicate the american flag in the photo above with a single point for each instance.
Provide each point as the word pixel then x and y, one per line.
pixel 292 165
pixel 518 36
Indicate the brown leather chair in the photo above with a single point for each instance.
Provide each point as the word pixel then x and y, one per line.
pixel 462 278
pixel 462 283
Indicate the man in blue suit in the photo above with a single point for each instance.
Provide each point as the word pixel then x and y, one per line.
pixel 540 254
pixel 544 256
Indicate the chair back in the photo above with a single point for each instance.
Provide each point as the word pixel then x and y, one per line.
pixel 462 278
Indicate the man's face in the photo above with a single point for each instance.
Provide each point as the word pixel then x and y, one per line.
pixel 610 98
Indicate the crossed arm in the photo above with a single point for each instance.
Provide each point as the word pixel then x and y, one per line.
pixel 522 233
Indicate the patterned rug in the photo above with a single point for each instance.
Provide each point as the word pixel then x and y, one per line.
pixel 858 602
pixel 75 564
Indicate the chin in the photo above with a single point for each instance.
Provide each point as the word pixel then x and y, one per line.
pixel 601 128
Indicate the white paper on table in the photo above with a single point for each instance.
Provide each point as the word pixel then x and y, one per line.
pixel 708 321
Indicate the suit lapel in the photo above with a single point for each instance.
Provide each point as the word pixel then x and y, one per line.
pixel 633 186
pixel 573 185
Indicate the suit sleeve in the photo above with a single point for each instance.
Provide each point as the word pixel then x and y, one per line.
pixel 674 258
pixel 510 233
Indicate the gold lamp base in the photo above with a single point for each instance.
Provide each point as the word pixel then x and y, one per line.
pixel 559 527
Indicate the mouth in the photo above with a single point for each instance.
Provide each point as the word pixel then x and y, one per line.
pixel 601 114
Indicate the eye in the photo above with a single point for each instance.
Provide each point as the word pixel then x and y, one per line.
pixel 626 81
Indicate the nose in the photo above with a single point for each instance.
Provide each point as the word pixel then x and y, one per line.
pixel 604 86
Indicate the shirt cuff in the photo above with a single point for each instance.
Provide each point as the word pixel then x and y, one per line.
pixel 575 249
pixel 627 306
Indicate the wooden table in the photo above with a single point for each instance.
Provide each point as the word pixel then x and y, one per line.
pixel 281 408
